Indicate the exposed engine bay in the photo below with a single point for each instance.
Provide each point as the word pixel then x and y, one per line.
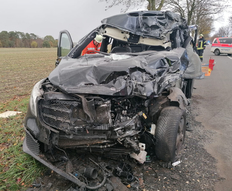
pixel 117 131
pixel 98 122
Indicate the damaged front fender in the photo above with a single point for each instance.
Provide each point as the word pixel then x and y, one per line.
pixel 176 95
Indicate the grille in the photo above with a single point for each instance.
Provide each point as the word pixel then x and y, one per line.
pixel 70 117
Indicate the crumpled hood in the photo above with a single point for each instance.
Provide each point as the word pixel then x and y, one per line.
pixel 134 74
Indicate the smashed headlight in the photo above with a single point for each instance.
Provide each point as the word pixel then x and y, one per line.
pixel 36 92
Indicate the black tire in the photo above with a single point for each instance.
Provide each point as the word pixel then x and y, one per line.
pixel 217 52
pixel 170 133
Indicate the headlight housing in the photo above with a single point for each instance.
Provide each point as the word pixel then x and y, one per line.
pixel 36 92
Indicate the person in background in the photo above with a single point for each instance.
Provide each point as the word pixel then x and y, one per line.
pixel 93 46
pixel 201 46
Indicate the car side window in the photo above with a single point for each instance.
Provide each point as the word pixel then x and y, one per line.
pixel 65 44
pixel 229 41
pixel 222 40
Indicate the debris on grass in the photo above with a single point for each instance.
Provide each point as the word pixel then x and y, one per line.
pixel 9 114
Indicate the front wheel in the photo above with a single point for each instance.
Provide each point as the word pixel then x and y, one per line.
pixel 189 88
pixel 170 133
pixel 217 52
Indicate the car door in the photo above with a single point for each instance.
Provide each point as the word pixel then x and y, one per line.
pixel 230 45
pixel 224 45
pixel 65 44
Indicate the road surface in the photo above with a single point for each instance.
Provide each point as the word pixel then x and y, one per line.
pixel 213 97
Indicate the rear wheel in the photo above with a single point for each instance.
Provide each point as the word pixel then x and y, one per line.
pixel 170 133
pixel 217 52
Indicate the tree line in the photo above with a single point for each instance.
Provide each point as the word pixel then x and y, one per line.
pixel 16 39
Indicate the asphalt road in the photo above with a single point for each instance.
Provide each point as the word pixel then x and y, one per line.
pixel 213 98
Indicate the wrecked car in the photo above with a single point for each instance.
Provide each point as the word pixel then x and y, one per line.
pixel 126 103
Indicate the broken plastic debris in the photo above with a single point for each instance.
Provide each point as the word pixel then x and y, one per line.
pixel 153 127
pixel 176 163
pixel 141 157
pixel 9 114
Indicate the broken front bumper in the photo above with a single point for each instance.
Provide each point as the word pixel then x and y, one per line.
pixel 31 147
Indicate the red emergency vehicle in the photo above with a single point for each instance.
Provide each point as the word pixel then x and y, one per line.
pixel 222 45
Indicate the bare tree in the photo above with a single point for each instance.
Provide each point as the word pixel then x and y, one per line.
pixel 150 4
pixel 199 12
pixel 205 26
pixel 194 10
pixel 230 21
pixel 223 31
pixel 230 25
pixel 156 4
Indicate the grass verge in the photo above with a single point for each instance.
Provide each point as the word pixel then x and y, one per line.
pixel 20 69
pixel 17 169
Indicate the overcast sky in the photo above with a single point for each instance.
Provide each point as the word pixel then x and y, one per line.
pixel 48 17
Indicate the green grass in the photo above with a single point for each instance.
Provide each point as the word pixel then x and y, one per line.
pixel 17 169
pixel 20 70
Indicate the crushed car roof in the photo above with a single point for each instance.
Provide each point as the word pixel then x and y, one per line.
pixel 147 23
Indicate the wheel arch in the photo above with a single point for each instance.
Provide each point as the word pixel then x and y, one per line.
pixel 177 98
pixel 219 52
